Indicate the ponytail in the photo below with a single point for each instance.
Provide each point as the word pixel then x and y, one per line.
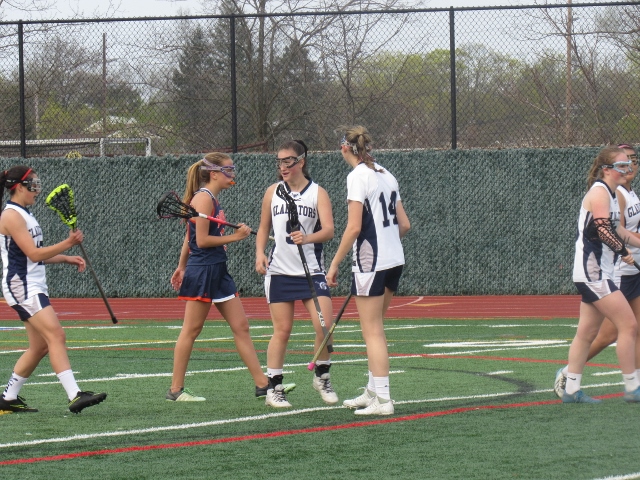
pixel 3 181
pixel 198 174
pixel 360 141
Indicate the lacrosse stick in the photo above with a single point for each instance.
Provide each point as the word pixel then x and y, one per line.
pixel 312 363
pixel 170 206
pixel 61 201
pixel 294 225
pixel 601 229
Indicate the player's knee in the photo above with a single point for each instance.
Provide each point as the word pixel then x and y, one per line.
pixel 57 337
pixel 282 335
pixel 628 328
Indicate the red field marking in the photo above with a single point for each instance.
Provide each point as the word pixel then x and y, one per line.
pixel 476 307
pixel 282 433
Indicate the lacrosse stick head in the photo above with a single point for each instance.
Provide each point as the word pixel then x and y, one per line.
pixel 170 206
pixel 61 201
pixel 292 208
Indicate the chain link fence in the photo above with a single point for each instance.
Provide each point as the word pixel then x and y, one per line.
pixel 499 77
pixel 483 222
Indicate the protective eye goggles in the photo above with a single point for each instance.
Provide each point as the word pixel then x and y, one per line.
pixel 620 167
pixel 33 185
pixel 229 171
pixel 288 162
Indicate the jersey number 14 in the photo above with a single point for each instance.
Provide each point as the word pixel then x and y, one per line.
pixel 389 209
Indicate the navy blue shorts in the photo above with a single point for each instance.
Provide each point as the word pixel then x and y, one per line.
pixel 630 286
pixel 594 291
pixel 373 284
pixel 208 283
pixel 284 288
pixel 31 306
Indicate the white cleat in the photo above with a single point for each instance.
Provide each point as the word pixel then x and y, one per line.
pixel 377 408
pixel 560 383
pixel 276 397
pixel 362 401
pixel 323 385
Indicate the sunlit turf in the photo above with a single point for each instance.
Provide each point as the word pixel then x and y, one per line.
pixel 445 376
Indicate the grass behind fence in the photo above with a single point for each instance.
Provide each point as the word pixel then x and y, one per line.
pixel 479 406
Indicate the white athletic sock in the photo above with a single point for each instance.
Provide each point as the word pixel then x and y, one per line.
pixel 14 386
pixel 68 381
pixel 565 370
pixel 573 383
pixel 274 372
pixel 371 386
pixel 631 382
pixel 382 387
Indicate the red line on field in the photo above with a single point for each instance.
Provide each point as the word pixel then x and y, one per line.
pixel 282 433
pixel 473 308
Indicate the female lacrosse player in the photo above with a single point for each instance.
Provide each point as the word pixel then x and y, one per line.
pixel 375 224
pixel 285 280
pixel 24 287
pixel 202 278
pixel 627 277
pixel 597 244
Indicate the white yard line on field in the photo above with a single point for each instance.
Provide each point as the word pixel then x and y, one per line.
pixel 629 476
pixel 142 431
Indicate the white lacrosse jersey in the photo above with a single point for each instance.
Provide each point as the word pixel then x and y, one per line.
pixel 284 258
pixel 632 223
pixel 594 260
pixel 21 278
pixel 378 246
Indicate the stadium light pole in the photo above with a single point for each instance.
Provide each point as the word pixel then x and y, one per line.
pixel 104 84
pixel 452 56
pixel 568 93
pixel 23 121
pixel 234 106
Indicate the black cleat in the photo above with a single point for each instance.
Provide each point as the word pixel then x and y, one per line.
pixel 16 405
pixel 84 400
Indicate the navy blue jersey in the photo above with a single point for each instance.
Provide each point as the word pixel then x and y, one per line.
pixel 207 256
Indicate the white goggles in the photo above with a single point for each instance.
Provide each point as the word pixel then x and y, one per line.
pixel 620 167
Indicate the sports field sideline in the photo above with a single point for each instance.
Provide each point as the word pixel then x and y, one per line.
pixel 471 307
pixel 471 378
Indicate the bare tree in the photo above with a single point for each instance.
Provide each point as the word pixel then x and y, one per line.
pixel 594 70
pixel 25 7
pixel 288 66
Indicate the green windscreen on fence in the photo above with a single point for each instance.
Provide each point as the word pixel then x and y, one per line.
pixel 482 222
